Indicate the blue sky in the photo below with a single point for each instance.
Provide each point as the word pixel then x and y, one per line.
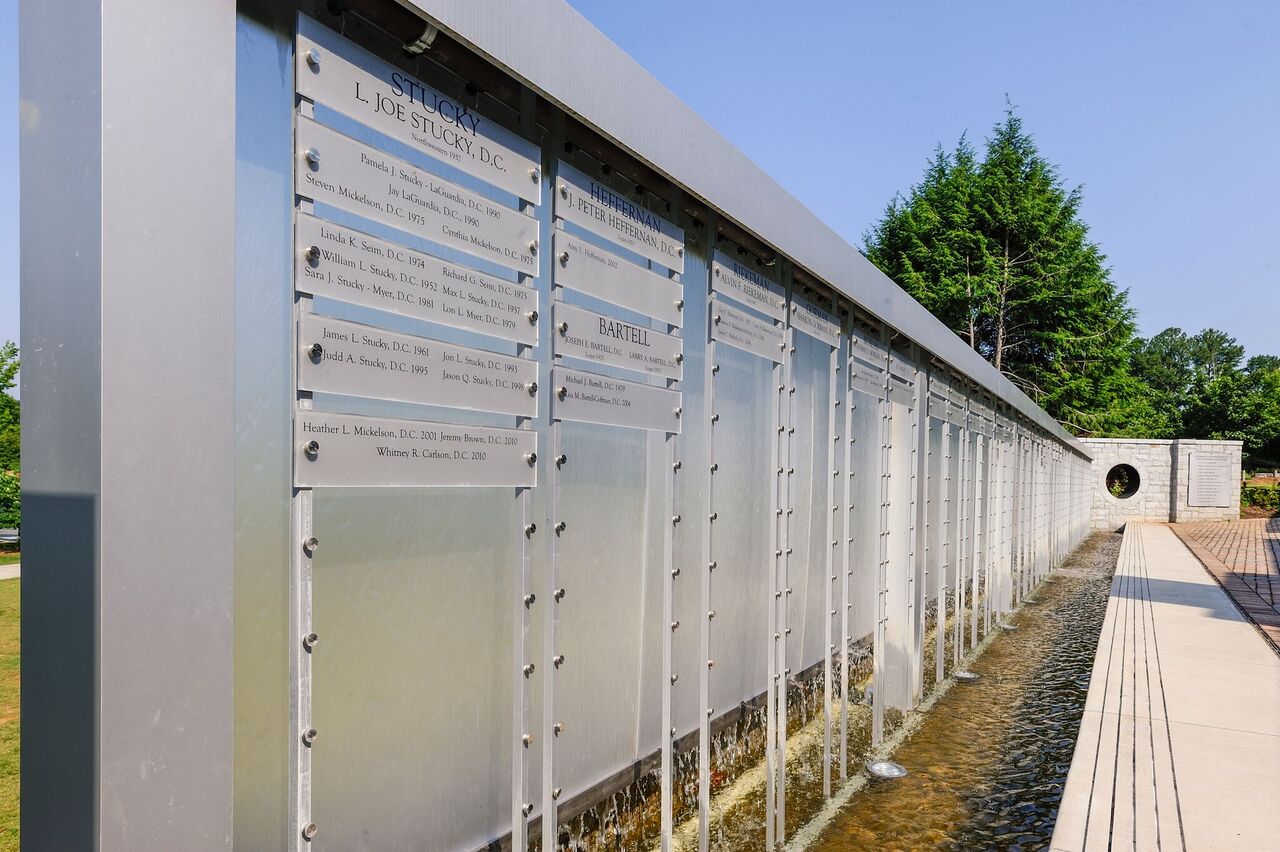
pixel 1167 113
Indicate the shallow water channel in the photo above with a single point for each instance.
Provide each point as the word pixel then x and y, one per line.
pixel 989 761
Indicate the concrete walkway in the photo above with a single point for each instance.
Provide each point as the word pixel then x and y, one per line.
pixel 11 572
pixel 1179 746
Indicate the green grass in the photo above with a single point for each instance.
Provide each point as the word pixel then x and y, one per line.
pixel 10 691
pixel 10 558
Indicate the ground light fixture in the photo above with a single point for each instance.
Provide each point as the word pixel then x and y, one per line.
pixel 886 770
pixel 967 677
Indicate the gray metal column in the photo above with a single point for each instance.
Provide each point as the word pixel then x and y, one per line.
pixel 127 150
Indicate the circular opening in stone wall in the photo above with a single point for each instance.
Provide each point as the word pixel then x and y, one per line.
pixel 1123 481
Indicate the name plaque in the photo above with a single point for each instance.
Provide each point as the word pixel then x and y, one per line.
pixel 590 398
pixel 1211 482
pixel 743 331
pixel 580 333
pixel 357 268
pixel 815 322
pixel 583 201
pixel 335 72
pixel 588 269
pixel 354 177
pixel 379 452
pixel 748 286
pixel 360 360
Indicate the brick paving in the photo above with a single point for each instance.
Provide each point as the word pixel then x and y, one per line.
pixel 1244 557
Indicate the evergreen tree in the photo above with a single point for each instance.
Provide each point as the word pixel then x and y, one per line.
pixel 10 410
pixel 997 250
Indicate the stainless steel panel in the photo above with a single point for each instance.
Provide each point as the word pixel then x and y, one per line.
pixel 814 322
pixel 582 200
pixel 585 334
pixel 355 177
pixel 597 272
pixel 752 287
pixel 337 73
pixel 360 269
pixel 361 360
pixel 359 451
pixel 591 398
pixel 743 331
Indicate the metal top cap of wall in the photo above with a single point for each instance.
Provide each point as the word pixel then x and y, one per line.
pixel 559 54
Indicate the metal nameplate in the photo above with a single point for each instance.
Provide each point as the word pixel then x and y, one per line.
pixel 742 331
pixel 579 333
pixel 751 287
pixel 379 452
pixel 815 322
pixel 584 201
pixel 360 360
pixel 335 169
pixel 591 398
pixel 581 266
pixel 342 263
pixel 333 71
pixel 1212 481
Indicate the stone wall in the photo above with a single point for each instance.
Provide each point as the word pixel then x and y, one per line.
pixel 1164 480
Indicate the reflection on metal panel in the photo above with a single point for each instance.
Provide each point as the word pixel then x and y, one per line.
pixel 590 398
pixel 335 72
pixel 335 169
pixel 349 450
pixel 585 334
pixel 342 263
pixel 360 360
pixel 743 331
pixel 585 202
pixel 752 287
pixel 815 322
pixel 592 270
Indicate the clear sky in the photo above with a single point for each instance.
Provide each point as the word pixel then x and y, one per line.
pixel 1168 113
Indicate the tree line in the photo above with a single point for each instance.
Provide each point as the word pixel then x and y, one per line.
pixel 994 245
pixel 10 439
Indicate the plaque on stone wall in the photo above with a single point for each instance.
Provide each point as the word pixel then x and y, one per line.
pixel 591 398
pixel 584 201
pixel 359 360
pixel 343 172
pixel 580 333
pixel 1211 481
pixel 333 71
pixel 342 263
pixel 589 269
pixel 743 331
pixel 347 450
pixel 752 287
pixel 815 322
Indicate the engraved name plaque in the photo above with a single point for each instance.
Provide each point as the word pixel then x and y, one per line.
pixel 380 452
pixel 335 169
pixel 588 269
pixel 342 263
pixel 340 75
pixel 583 201
pixel 743 331
pixel 590 398
pixel 1211 481
pixel 359 360
pixel 751 287
pixel 815 322
pixel 580 333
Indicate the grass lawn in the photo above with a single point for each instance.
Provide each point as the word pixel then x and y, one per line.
pixel 10 558
pixel 10 689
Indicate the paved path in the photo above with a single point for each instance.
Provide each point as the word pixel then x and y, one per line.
pixel 1244 557
pixel 1179 746
pixel 10 572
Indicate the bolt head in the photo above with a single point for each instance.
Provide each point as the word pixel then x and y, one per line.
pixel 564 328
pixel 313 254
pixel 533 317
pixel 311 448
pixel 562 392
pixel 315 351
pixel 534 174
pixel 533 247
pixel 311 544
pixel 679 357
pixel 564 191
pixel 532 458
pixel 309 735
pixel 310 640
pixel 313 157
pixel 679 304
pixel 313 58
pixel 533 388
pixel 309 831
pixel 564 258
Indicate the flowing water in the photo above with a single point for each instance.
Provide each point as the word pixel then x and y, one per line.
pixel 990 760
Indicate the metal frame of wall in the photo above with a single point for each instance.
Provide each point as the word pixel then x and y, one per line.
pixel 1012 486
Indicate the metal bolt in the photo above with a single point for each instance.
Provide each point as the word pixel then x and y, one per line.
pixel 564 328
pixel 715 418
pixel 309 831
pixel 675 625
pixel 714 516
pixel 533 247
pixel 309 641
pixel 533 388
pixel 714 467
pixel 561 460
pixel 315 352
pixel 679 357
pixel 562 392
pixel 311 448
pixel 559 595
pixel 711 614
pixel 558 660
pixel 528 669
pixel 558 728
pixel 564 258
pixel 534 174
pixel 309 735
pixel 710 710
pixel 677 465
pixel 530 529
pixel 680 250
pixel 313 58
pixel 675 572
pixel 529 599
pixel 313 157
pixel 678 411
pixel 532 458
pixel 527 809
pixel 527 739
pixel 311 544
pixel 675 519
pixel 788 633
pixel 561 527
pixel 555 794
pixel 711 664
pixel 717 319
pixel 313 254
pixel 674 678
pixel 564 191
pixel 533 317
pixel 679 304
pixel 711 566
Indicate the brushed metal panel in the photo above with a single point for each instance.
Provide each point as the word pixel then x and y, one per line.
pixel 597 272
pixel 360 179
pixel 585 334
pixel 337 73
pixel 609 401
pixel 361 269
pixel 743 331
pixel 754 288
pixel 585 202
pixel 815 322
